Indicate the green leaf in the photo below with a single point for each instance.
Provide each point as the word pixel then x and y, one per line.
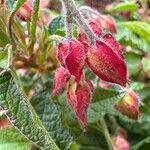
pixel 50 115
pixel 130 6
pixel 11 139
pixel 22 115
pixel 14 5
pixel 56 24
pixel 140 28
pixel 126 37
pixel 146 64
pixel 141 144
pixel 133 63
pixel 3 38
pixel 5 56
pixel 103 102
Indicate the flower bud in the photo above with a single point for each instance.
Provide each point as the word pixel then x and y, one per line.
pixel 24 13
pixel 71 55
pixel 129 105
pixel 107 22
pixel 94 26
pixel 79 98
pixel 106 64
pixel 121 142
pixel 61 76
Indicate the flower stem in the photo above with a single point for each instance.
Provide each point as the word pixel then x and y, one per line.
pixel 106 133
pixel 34 22
pixel 71 6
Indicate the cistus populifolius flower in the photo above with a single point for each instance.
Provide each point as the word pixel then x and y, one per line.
pixel 129 105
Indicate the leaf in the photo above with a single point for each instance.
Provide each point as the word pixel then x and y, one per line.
pixel 20 112
pixel 141 143
pixel 50 115
pixel 130 6
pixel 133 63
pixel 5 56
pixel 140 28
pixel 126 37
pixel 14 5
pixel 3 38
pixel 11 139
pixel 56 24
pixel 146 64
pixel 103 102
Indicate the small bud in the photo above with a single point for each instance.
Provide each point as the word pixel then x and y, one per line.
pixel 94 26
pixel 111 42
pixel 71 55
pixel 24 13
pixel 129 105
pixel 107 22
pixel 121 142
pixel 61 76
pixel 79 98
pixel 106 64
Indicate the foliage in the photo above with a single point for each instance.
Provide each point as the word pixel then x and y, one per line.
pixel 40 120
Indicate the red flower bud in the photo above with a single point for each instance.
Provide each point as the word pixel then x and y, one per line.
pixel 94 26
pixel 106 64
pixel 111 42
pixel 24 13
pixel 121 142
pixel 107 22
pixel 71 55
pixel 61 76
pixel 79 98
pixel 129 105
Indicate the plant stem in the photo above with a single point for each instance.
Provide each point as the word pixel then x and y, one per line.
pixel 71 6
pixel 68 20
pixel 34 22
pixel 106 133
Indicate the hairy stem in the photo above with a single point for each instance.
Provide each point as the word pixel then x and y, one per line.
pixel 34 21
pixel 10 22
pixel 106 133
pixel 70 6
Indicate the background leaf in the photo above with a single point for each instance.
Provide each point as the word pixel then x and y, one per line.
pixel 21 113
pixel 50 115
pixel 11 139
pixel 130 6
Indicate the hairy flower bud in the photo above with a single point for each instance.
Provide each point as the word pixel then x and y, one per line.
pixel 106 64
pixel 129 105
pixel 71 55
pixel 79 98
pixel 94 26
pixel 107 22
pixel 61 76
pixel 24 13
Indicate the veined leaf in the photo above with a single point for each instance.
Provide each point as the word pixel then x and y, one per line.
pixel 141 143
pixel 56 24
pixel 14 5
pixel 50 115
pixel 11 139
pixel 103 102
pixel 20 112
pixel 130 6
pixel 140 28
